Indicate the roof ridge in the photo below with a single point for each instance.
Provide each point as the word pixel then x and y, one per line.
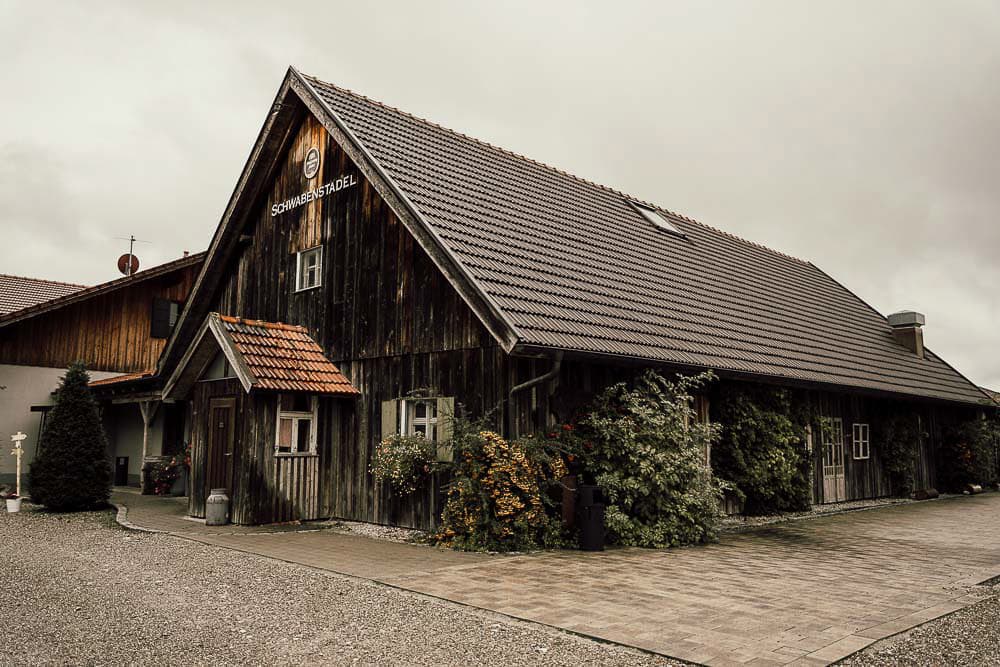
pixel 261 323
pixel 626 196
pixel 42 280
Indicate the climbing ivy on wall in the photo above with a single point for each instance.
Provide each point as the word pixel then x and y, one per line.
pixel 898 435
pixel 763 446
pixel 969 453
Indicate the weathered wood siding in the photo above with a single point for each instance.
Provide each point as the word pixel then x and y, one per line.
pixel 108 332
pixel 384 314
pixel 867 478
pixel 381 295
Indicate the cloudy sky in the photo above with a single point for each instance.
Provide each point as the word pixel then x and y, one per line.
pixel 861 136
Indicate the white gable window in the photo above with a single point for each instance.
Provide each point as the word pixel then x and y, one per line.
pixel 296 432
pixel 658 220
pixel 860 442
pixel 309 264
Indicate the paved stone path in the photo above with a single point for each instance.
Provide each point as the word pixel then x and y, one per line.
pixel 803 592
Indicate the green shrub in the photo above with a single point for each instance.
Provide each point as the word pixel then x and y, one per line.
pixel 762 450
pixel 405 461
pixel 968 454
pixel 643 447
pixel 71 471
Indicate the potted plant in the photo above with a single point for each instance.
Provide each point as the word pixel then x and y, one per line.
pixel 13 502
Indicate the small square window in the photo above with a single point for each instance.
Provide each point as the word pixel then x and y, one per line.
pixel 658 220
pixel 295 433
pixel 860 443
pixel 309 264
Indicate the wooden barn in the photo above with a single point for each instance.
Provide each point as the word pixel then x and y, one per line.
pixel 120 326
pixel 374 271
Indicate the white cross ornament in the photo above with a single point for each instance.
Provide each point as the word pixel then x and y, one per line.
pixel 17 439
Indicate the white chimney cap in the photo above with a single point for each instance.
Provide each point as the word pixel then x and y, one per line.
pixel 907 318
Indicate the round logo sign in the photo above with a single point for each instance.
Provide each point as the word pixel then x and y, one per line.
pixel 311 164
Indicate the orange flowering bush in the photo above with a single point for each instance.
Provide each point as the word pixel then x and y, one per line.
pixel 497 497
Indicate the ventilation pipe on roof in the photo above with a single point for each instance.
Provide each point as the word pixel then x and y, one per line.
pixel 552 373
pixel 907 332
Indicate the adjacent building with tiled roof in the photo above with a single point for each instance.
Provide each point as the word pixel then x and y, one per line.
pixel 430 270
pixel 18 292
pixel 117 327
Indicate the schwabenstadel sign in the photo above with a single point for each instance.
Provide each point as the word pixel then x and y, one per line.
pixel 341 183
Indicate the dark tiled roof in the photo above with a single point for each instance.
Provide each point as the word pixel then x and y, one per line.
pixel 17 292
pixel 573 266
pixel 283 357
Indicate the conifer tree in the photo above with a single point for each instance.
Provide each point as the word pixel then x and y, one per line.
pixel 71 471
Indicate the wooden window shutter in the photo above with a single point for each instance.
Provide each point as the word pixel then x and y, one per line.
pixel 390 418
pixel 159 326
pixel 445 413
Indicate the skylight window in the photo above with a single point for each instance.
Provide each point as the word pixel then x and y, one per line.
pixel 658 220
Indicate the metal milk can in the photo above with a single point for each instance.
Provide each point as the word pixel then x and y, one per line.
pixel 217 508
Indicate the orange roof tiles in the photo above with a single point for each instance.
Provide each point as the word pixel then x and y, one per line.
pixel 127 377
pixel 283 357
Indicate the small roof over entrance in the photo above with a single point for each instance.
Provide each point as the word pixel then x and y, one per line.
pixel 268 356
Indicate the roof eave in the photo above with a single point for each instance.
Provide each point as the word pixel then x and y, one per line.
pixel 98 290
pixel 607 357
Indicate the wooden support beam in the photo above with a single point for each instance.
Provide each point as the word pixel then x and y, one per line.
pixel 148 411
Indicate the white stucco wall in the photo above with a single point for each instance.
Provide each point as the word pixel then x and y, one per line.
pixel 20 388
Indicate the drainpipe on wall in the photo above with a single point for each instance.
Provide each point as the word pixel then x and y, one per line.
pixel 552 373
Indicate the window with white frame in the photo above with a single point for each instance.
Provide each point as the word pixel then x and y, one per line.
pixel 419 416
pixel 309 264
pixel 860 442
pixel 296 432
pixel 833 447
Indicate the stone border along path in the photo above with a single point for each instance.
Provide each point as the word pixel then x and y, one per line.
pixel 803 593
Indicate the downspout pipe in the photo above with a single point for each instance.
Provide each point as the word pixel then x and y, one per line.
pixel 552 373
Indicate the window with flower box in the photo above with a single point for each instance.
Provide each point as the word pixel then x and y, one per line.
pixel 296 432
pixel 428 417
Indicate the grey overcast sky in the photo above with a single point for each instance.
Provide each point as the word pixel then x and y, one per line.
pixel 862 136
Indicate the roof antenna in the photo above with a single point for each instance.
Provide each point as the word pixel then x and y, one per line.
pixel 128 264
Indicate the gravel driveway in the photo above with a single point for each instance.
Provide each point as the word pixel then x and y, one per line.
pixel 77 589
pixel 970 636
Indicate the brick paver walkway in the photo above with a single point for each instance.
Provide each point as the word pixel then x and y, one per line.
pixel 805 592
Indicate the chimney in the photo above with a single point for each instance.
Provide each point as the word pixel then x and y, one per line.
pixel 906 330
pixel 185 253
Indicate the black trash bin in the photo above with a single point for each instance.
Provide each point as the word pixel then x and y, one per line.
pixel 591 520
pixel 588 494
pixel 590 517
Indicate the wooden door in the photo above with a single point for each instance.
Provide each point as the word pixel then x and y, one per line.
pixel 219 455
pixel 834 482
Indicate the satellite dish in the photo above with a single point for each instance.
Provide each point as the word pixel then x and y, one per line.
pixel 128 264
